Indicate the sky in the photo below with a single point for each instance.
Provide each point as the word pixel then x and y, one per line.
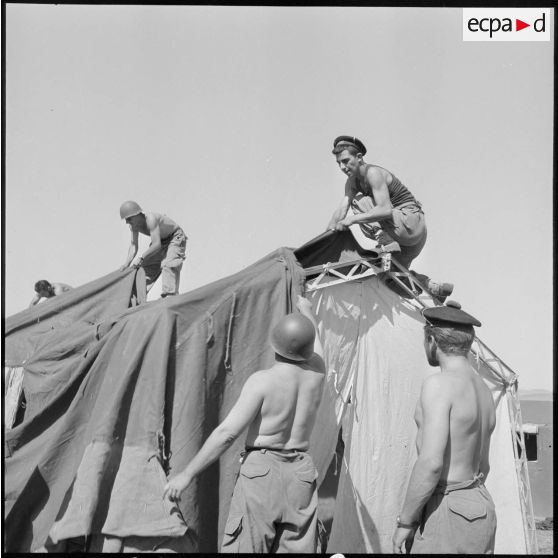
pixel 224 117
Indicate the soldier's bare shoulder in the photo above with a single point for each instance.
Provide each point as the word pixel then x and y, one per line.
pixel 436 386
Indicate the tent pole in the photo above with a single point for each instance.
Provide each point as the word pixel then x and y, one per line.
pixel 520 455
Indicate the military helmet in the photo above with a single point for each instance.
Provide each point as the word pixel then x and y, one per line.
pixel 293 337
pixel 129 209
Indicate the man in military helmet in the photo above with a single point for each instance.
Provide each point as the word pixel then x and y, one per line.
pixel 447 508
pixel 274 504
pixel 45 289
pixel 166 252
pixel 382 206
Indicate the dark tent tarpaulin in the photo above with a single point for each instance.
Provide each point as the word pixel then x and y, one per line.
pixel 107 296
pixel 125 399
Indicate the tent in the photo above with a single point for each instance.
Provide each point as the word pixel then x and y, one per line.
pixel 121 392
pixel 373 340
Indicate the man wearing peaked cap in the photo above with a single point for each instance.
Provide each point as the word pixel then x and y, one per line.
pixel 382 206
pixel 450 314
pixel 447 508
pixel 274 506
pixel 350 140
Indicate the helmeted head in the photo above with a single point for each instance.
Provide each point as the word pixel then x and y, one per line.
pixel 129 209
pixel 448 329
pixel 348 151
pixel 293 337
pixel 44 288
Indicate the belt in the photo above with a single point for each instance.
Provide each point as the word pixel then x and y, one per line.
pixel 172 234
pixel 446 488
pixel 248 449
pixel 287 453
pixel 409 204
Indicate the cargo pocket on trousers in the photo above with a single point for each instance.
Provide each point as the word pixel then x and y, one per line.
pixel 308 475
pixel 470 530
pixel 231 537
pixel 252 471
pixel 468 509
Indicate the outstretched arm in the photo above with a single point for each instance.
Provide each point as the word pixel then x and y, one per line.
pixel 132 250
pixel 35 300
pixel 339 214
pixel 240 416
pixel 426 472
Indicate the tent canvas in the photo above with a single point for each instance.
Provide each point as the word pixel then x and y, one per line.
pixel 375 384
pixel 373 342
pixel 123 398
pixel 136 398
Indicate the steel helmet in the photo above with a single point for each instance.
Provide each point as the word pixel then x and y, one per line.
pixel 129 209
pixel 293 337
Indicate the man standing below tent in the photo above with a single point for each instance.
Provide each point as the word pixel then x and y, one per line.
pixel 274 504
pixel 382 206
pixel 447 508
pixel 44 289
pixel 166 252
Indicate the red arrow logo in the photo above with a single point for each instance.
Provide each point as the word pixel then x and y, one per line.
pixel 519 25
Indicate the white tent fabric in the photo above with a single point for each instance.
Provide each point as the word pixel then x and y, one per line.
pixel 373 345
pixel 503 485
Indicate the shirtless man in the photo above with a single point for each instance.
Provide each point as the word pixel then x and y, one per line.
pixel 383 207
pixel 447 508
pixel 166 252
pixel 275 499
pixel 44 289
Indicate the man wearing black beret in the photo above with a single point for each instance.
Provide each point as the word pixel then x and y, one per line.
pixel 447 508
pixel 382 206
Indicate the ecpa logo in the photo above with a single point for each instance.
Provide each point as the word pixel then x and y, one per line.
pixel 506 24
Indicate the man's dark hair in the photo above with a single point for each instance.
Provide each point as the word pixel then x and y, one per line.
pixel 452 340
pixel 43 285
pixel 340 147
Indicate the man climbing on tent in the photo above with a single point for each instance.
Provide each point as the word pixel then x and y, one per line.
pixel 447 508
pixel 383 207
pixel 45 289
pixel 166 252
pixel 274 504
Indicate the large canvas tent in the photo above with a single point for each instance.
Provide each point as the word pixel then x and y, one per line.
pixel 118 396
pixel 373 341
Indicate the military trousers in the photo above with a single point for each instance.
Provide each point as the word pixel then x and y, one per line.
pixel 274 504
pixel 459 518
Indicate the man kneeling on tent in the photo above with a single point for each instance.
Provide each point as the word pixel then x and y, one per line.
pixel 275 499
pixel 166 252
pixel 45 289
pixel 383 207
pixel 447 508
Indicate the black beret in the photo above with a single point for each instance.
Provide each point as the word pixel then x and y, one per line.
pixel 449 314
pixel 352 141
